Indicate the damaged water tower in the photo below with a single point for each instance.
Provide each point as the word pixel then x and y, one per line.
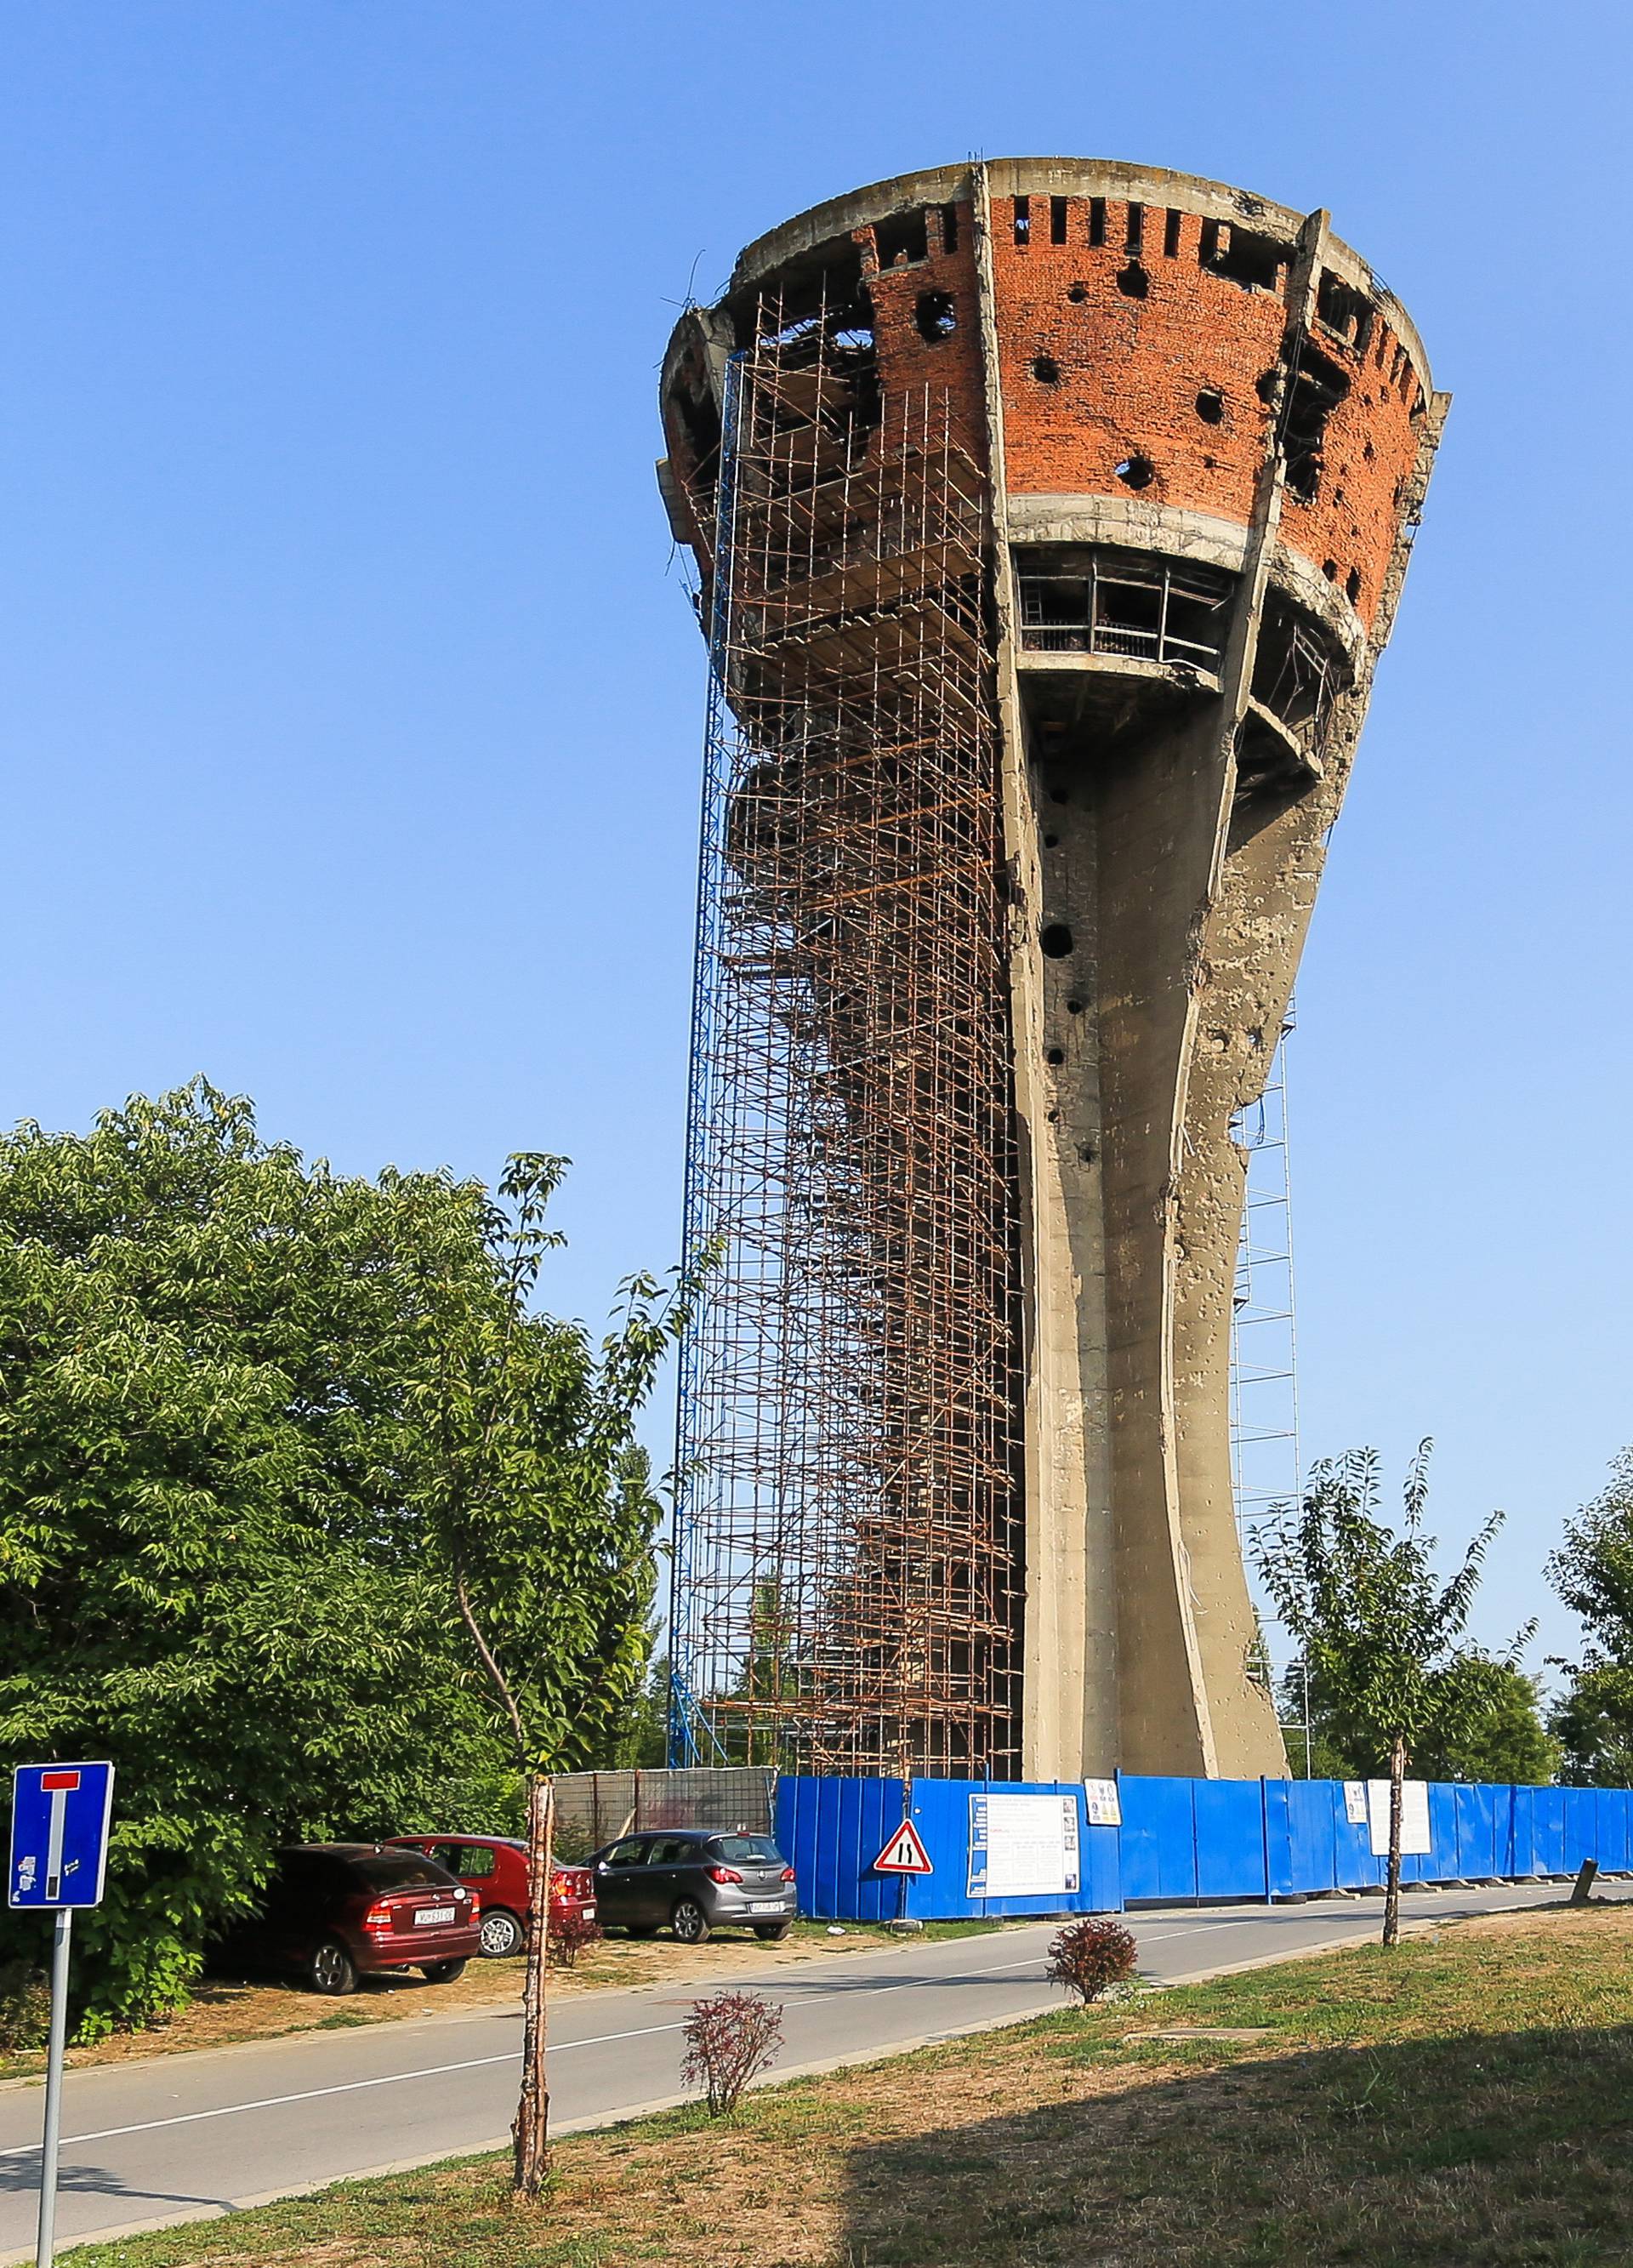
pixel 1049 518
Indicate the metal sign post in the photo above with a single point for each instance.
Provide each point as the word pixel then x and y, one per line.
pixel 60 1816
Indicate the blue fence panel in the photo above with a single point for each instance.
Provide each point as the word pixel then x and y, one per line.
pixel 1309 1859
pixel 1519 1856
pixel 1229 1817
pixel 1476 1831
pixel 1612 1806
pixel 1581 1829
pixel 1443 1861
pixel 1548 1829
pixel 1158 1837
pixel 831 1830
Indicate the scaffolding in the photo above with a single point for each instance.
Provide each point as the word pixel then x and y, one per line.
pixel 1265 1468
pixel 848 1573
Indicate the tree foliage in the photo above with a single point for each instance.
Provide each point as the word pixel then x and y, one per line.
pixel 213 1475
pixel 1379 1630
pixel 1593 1572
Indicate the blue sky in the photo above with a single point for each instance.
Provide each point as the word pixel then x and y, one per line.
pixel 354 708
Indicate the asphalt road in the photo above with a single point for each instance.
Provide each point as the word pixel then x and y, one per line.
pixel 182 2137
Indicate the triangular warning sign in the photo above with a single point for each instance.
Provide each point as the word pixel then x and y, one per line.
pixel 904 1853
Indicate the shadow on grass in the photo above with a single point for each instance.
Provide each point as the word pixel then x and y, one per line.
pixel 1509 2150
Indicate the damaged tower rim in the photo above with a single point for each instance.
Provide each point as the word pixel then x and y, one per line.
pixel 1050 517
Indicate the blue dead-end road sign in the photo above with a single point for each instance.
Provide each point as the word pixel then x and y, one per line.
pixel 59 1834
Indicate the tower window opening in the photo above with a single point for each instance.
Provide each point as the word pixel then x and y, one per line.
pixel 1296 673
pixel 1096 220
pixel 949 228
pixel 903 240
pixel 1171 234
pixel 1134 235
pixel 936 316
pixel 1344 311
pixel 1318 388
pixel 1256 263
pixel 1057 220
pixel 1023 220
pixel 1136 604
pixel 1133 281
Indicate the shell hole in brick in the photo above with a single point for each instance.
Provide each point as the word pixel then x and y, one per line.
pixel 1352 585
pixel 1074 1007
pixel 1078 294
pixel 1086 1153
pixel 1265 384
pixel 1210 405
pixel 1046 369
pixel 1055 1056
pixel 1133 281
pixel 1329 568
pixel 1056 940
pixel 936 316
pixel 1050 841
pixel 1137 472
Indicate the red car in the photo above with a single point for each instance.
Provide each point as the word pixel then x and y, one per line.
pixel 494 1867
pixel 334 1912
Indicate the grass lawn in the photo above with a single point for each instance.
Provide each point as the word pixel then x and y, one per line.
pixel 225 2010
pixel 1467 2098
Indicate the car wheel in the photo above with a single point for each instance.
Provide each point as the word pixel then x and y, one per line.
pixel 442 1972
pixel 331 1969
pixel 773 1932
pixel 501 1934
pixel 690 1922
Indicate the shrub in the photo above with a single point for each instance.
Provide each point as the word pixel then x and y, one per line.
pixel 1091 1956
pixel 569 1933
pixel 730 2038
pixel 25 2006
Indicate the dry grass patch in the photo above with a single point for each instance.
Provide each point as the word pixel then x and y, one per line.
pixel 1466 2100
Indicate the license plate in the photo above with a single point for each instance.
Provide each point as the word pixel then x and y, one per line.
pixel 765 1905
pixel 424 1917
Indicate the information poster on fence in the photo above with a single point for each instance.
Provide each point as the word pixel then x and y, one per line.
pixel 1355 1802
pixel 1023 1846
pixel 1414 1816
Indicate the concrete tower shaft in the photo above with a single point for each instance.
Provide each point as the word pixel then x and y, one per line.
pixel 1136 460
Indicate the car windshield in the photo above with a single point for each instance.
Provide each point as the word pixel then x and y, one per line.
pixel 400 1870
pixel 756 1849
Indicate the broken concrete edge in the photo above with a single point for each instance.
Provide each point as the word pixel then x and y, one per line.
pixel 825 2067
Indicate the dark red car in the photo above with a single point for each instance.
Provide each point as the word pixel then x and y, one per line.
pixel 494 1867
pixel 332 1912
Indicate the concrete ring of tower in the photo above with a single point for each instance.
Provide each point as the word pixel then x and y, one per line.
pixel 1050 517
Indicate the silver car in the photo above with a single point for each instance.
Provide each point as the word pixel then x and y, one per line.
pixel 696 1879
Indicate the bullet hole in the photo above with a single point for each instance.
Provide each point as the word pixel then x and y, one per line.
pixel 1056 792
pixel 1078 294
pixel 936 316
pixel 1329 568
pixel 1369 453
pixel 1210 464
pixel 1046 369
pixel 1352 585
pixel 1137 472
pixel 1056 941
pixel 1053 1118
pixel 1055 1056
pixel 1210 405
pixel 1133 281
pixel 1074 1007
pixel 1050 841
pixel 1086 1153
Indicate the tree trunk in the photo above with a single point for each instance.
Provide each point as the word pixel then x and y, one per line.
pixel 1391 1891
pixel 532 2130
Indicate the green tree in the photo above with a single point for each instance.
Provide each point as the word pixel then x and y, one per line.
pixel 532 1506
pixel 1377 1628
pixel 1593 1572
pixel 1494 1732
pixel 212 1561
